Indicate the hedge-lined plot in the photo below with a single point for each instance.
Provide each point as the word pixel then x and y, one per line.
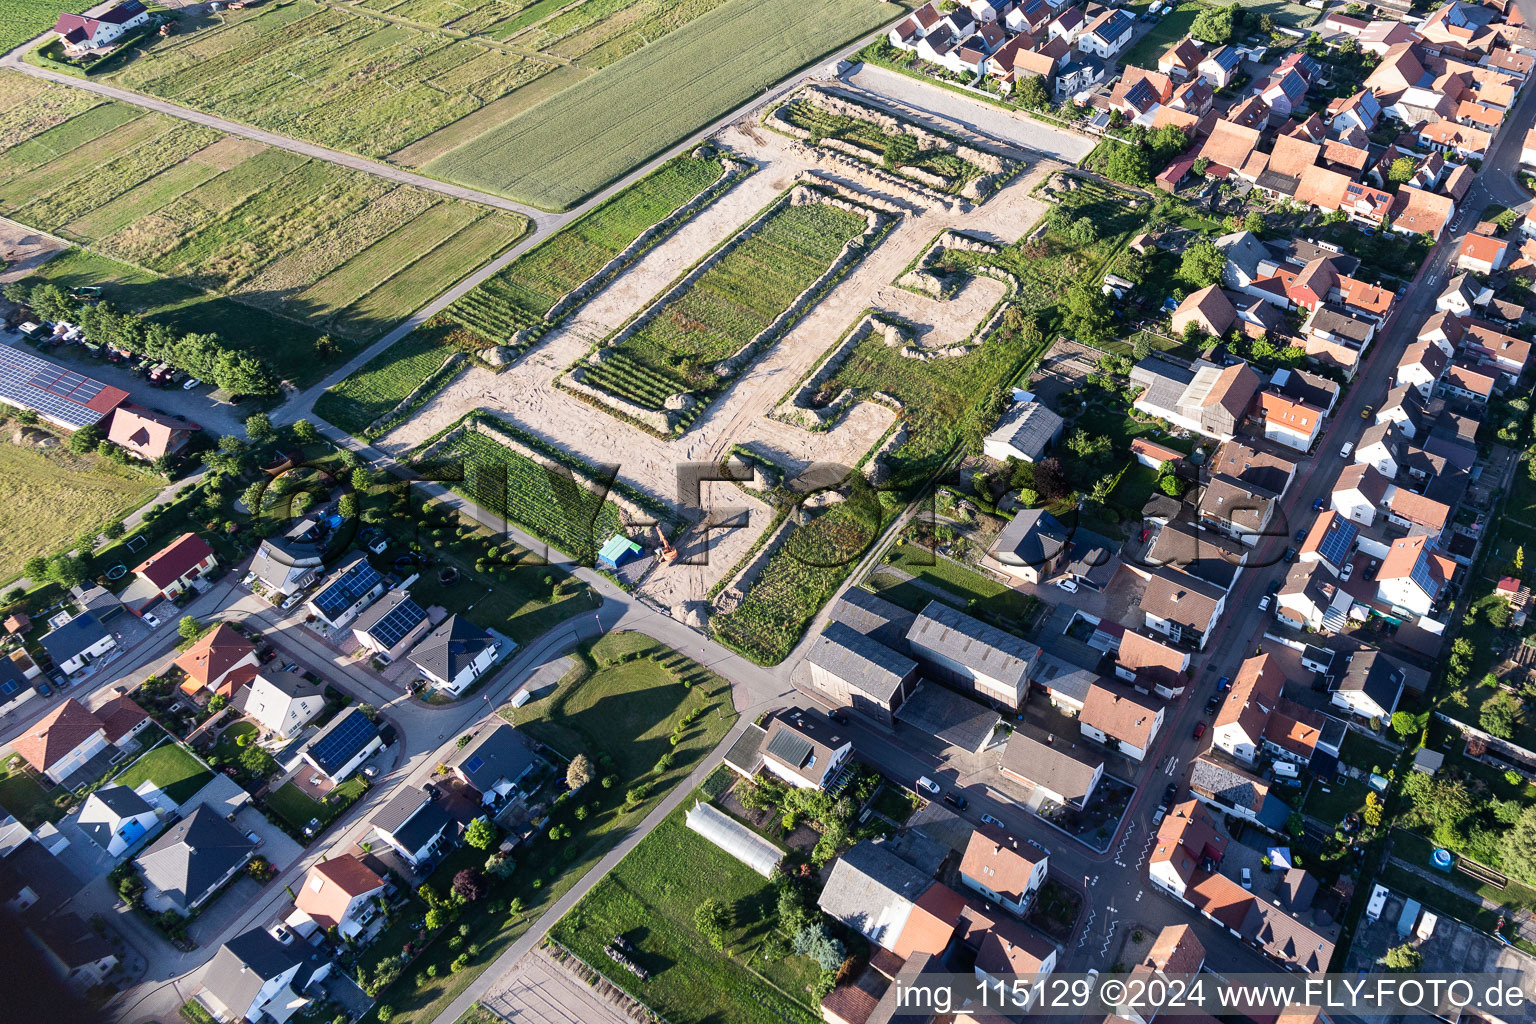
pixel 824 124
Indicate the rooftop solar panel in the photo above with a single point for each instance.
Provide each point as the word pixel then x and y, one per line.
pixel 1424 576
pixel 474 764
pixel 51 390
pixel 338 746
pixel 343 592
pixel 1336 541
pixel 392 628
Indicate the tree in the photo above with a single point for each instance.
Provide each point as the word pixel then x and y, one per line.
pixel 258 762
pixel 437 917
pixel 1406 724
pixel 1254 223
pixel 254 496
pixel 1087 314
pixel 1201 165
pixel 1519 847
pixel 1032 94
pixel 189 628
pixel 1403 959
pixel 1172 486
pixel 1128 164
pixel 259 428
pixel 500 865
pixel 85 440
pixel 469 884
pixel 711 918
pixel 815 942
pixel 66 570
pixel 304 432
pixel 1372 812
pixel 480 834
pixel 1202 264
pixel 1401 170
pixel 579 773
pixel 1501 715
pixel 327 348
pixel 116 529
pixel 1213 25
pixel 241 374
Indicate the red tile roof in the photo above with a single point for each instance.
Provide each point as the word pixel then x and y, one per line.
pixel 175 560
pixel 56 735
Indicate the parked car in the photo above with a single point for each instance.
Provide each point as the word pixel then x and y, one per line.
pixel 1319 505
pixel 254 837
pixel 1223 684
pixel 1346 448
pixel 151 620
pixel 1212 705
pixel 1068 584
pixel 1275 584
pixel 1199 729
pixel 1170 794
pixel 1365 413
pixel 1347 571
pixel 191 383
pixel 1247 878
pixel 1301 535
pixel 44 689
pixel 925 783
pixel 987 819
pixel 955 800
pixel 1264 602
pixel 1290 555
pixel 837 716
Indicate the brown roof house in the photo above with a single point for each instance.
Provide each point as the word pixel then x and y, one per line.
pixel 1209 309
pixel 64 742
pixel 1003 868
pixel 1120 718
pixel 1150 664
pixel 1206 398
pixel 803 749
pixel 1182 607
pixel 1064 773
pixel 169 572
pixel 146 435
pixel 893 904
pixel 222 662
pixel 339 893
pixel 1244 715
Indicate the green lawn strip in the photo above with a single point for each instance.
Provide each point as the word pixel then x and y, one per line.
pixel 297 808
pixel 1360 752
pixel 1415 849
pixel 650 898
pixel 1441 897
pixel 1169 29
pixel 651 99
pixel 979 593
pixel 228 749
pixel 624 711
pixel 1342 800
pixel 385 381
pixel 894 803
pixel 174 771
pixel 24 797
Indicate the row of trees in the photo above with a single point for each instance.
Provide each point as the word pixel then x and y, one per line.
pixel 201 355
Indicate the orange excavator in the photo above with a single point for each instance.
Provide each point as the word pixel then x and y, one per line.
pixel 667 553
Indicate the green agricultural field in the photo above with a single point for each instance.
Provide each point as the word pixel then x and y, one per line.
pixel 387 379
pixel 174 771
pixel 653 98
pixel 823 124
pixel 35 484
pixel 650 898
pixel 756 279
pixel 522 293
pixel 328 249
pixel 21 20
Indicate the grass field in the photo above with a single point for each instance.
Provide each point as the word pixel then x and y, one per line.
pixel 297 808
pixel 21 20
pixel 654 98
pixel 650 898
pixel 23 796
pixel 678 344
pixel 625 712
pixel 35 484
pixel 1170 28
pixel 385 381
pixel 174 771
pixel 329 249
pixel 981 595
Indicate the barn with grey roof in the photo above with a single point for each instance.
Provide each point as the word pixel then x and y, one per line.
pixel 972 656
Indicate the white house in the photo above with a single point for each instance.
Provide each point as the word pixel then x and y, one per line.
pixel 1358 493
pixel 339 893
pixel 282 703
pixel 350 589
pixel 1414 575
pixel 1002 868
pixel 805 750
pixel 1107 34
pixel 341 747
pixel 77 644
pixel 455 654
pixel 414 825
pixel 115 818
pixel 1370 685
pixel 256 977
pixel 1245 711
pixel 61 743
pixel 82 34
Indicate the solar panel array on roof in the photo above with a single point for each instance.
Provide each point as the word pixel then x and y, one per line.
pixel 1423 574
pixel 474 764
pixel 56 393
pixel 1336 542
pixel 342 593
pixel 403 618
pixel 790 748
pixel 341 742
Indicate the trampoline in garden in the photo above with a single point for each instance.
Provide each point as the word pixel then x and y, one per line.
pixel 448 576
pixel 136 543
pixel 117 572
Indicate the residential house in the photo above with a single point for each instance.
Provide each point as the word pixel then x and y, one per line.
pixel 972 656
pixel 1289 421
pixel 1297 733
pixel 221 662
pixel 281 703
pixel 1414 575
pixel 288 564
pixel 1007 950
pixel 1220 66
pixel 1025 432
pixel 1182 59
pixel 1370 685
pixel 494 762
pixel 63 741
pixel 1244 714
pixel 1237 510
pixel 855 670
pixel 115 818
pixel 805 749
pixel 1330 541
pixel 455 655
pixel 192 860
pixel 1208 309
pixel 1077 74
pixel 1417 212
pixel 1482 253
pixel 1065 774
pixel 341 893
pixel 1311 598
pixel 15 686
pixel 1107 34
pixel 1188 841
pixel 1014 61
pixel 78 644
pixel 147 435
pixel 74 950
pixel 1176 951
pixel 1121 718
pixel 339 750
pixel 1461 295
pixel 415 826
pixel 1420 367
pixel 121 721
pixel 1359 492
pixel 1235 792
pixel 1029 17
pixel 1033 547
pixel 1359 111
pixel 82 34
pixel 1208 399
pixel 351 588
pixel 1336 337
pixel 1182 607
pixel 1284 92
pixel 1469 382
pixel 1149 664
pixel 391 626
pixel 169 572
pixel 255 977
pixel 1002 868
pixel 1067 25
pixel 890 902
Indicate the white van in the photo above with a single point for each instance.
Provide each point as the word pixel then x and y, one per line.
pixel 1286 769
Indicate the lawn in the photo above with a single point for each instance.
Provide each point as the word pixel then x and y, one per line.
pixel 1415 849
pixel 21 20
pixel 677 344
pixel 228 748
pixel 654 98
pixel 338 250
pixel 378 386
pixel 174 771
pixel 972 592
pixel 35 484
pixel 1366 754
pixel 624 712
pixel 297 808
pixel 24 797
pixel 650 898
pixel 1170 28
pixel 1342 800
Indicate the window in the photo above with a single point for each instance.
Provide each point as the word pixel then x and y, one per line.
pixel 316 883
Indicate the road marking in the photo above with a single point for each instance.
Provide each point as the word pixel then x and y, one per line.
pixel 1173 765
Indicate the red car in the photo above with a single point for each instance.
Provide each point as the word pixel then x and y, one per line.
pixel 1199 729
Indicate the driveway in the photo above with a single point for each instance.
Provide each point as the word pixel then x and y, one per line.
pixel 224 911
pixel 276 846
pixel 1019 129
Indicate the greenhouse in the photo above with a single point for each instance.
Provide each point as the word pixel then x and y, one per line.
pixel 734 838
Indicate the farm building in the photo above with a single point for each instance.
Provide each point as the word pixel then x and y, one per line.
pixel 62 397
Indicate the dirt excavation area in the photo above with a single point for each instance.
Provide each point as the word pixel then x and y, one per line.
pixel 527 394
